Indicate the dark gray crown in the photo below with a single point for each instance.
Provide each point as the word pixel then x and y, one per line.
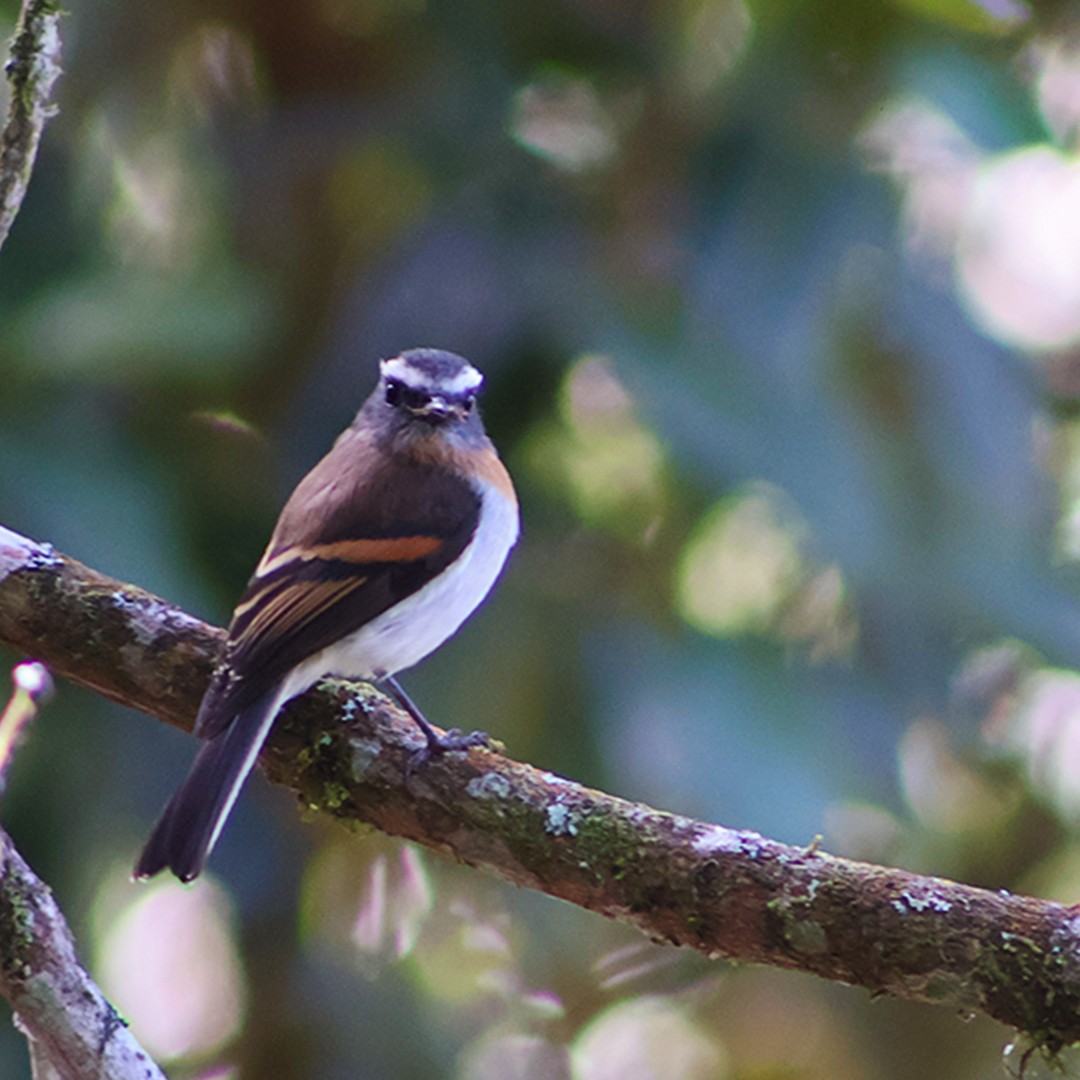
pixel 433 371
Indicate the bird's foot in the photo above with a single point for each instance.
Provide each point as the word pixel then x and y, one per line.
pixel 438 744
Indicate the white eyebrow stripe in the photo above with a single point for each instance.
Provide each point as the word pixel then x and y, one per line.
pixel 468 378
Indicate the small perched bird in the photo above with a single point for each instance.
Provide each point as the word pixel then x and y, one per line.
pixel 381 553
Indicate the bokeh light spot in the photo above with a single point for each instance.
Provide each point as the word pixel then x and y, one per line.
pixel 647 1038
pixel 170 964
pixel 395 906
pixel 1018 260
pixel 740 565
pixel 1045 730
pixel 943 791
pixel 601 456
pixel 560 119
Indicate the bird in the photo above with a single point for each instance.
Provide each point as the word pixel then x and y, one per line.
pixel 379 555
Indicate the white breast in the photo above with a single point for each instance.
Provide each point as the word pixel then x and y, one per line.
pixel 407 632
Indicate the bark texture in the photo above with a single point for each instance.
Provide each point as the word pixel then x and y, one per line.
pixel 344 749
pixel 73 1030
pixel 32 70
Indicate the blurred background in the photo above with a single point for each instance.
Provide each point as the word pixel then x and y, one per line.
pixel 779 307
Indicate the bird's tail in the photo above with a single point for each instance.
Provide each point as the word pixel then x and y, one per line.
pixel 194 817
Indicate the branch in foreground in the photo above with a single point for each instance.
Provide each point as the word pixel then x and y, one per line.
pixel 57 1004
pixel 32 71
pixel 74 1033
pixel 345 750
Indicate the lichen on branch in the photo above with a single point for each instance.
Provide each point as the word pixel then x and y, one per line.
pixel 345 750
pixel 32 71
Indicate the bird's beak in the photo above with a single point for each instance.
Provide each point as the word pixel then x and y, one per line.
pixel 437 409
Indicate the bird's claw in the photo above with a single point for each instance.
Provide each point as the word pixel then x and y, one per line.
pixel 449 741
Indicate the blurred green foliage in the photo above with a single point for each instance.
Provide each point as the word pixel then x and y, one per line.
pixel 777 307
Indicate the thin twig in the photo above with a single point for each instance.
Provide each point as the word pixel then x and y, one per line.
pixel 33 687
pixel 32 72
pixel 73 1032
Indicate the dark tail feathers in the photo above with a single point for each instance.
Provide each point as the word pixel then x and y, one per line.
pixel 191 822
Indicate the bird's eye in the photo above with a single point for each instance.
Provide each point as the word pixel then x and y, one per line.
pixel 400 394
pixel 469 402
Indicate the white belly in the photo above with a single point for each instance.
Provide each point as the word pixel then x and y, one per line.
pixel 407 632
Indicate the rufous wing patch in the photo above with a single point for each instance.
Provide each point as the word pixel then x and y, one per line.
pixel 383 550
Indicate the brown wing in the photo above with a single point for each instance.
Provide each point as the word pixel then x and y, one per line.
pixel 341 554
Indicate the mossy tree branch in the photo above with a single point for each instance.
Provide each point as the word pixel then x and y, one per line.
pixel 74 1032
pixel 344 749
pixel 32 70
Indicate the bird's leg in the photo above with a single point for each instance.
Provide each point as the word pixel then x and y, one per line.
pixel 436 744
